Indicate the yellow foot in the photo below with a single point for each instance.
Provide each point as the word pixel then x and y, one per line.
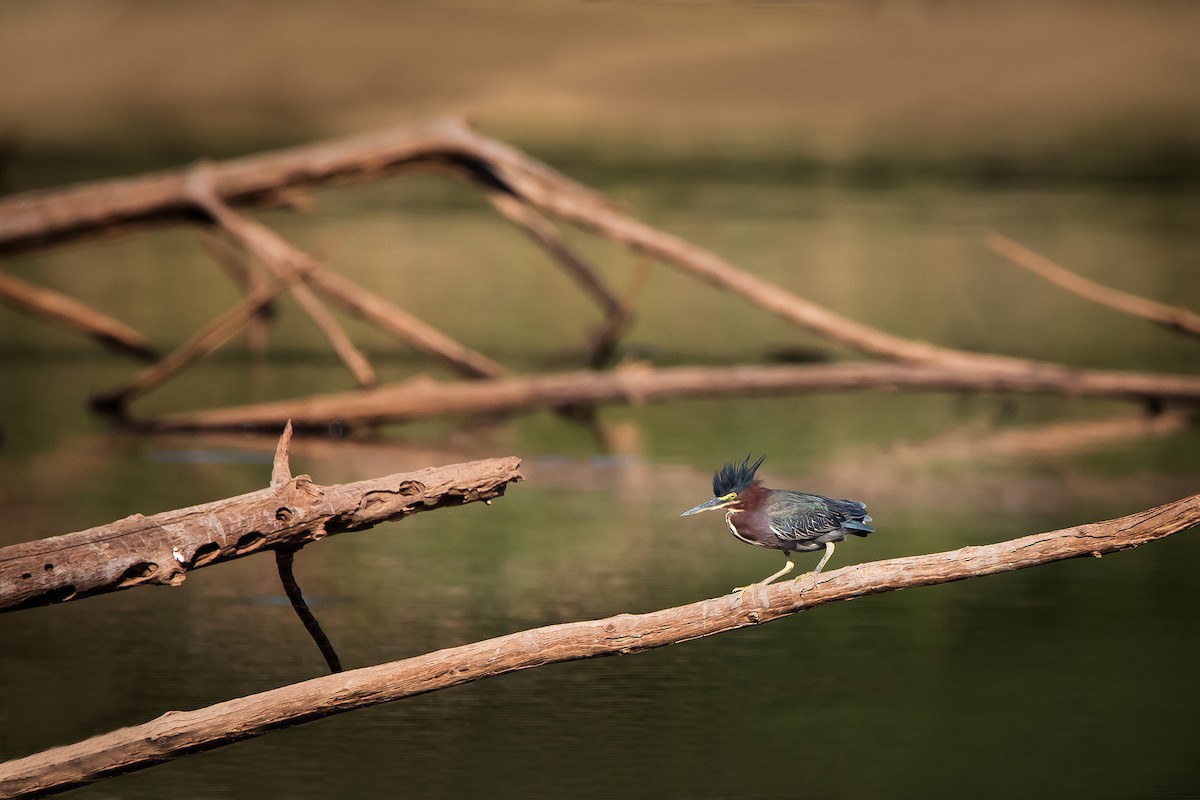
pixel 744 588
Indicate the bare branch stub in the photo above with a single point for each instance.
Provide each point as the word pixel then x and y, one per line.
pixel 184 732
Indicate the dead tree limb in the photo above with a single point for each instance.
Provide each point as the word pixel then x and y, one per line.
pixel 236 265
pixel 419 334
pixel 542 231
pixel 163 548
pixel 44 217
pixel 67 312
pixel 1177 318
pixel 210 338
pixel 287 263
pixel 38 219
pixel 639 384
pixel 179 733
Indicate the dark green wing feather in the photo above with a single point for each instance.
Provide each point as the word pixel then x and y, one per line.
pixel 799 516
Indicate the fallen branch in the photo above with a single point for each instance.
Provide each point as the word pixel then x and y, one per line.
pixel 641 384
pixel 542 231
pixel 67 312
pixel 1176 318
pixel 205 341
pixel 47 217
pixel 288 264
pixel 40 218
pixel 178 733
pixel 235 263
pixel 163 548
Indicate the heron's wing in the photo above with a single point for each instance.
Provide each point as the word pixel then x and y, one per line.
pixel 797 516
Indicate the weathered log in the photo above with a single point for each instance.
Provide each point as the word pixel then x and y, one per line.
pixel 163 548
pixel 641 384
pixel 67 312
pixel 178 733
pixel 1176 318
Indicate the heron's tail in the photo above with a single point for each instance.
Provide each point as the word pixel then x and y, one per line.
pixel 857 524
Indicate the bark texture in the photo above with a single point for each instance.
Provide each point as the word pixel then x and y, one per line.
pixel 180 732
pixel 163 548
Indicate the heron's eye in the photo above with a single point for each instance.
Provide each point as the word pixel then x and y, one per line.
pixel 728 497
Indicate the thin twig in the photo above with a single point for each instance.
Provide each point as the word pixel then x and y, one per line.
pixel 283 562
pixel 1177 318
pixel 248 279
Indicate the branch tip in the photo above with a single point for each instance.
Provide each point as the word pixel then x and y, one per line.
pixel 281 470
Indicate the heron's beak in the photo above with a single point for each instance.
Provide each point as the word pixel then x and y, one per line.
pixel 716 502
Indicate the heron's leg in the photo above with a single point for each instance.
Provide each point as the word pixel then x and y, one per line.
pixel 786 569
pixel 828 553
pixel 820 566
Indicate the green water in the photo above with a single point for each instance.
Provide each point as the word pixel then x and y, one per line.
pixel 1069 680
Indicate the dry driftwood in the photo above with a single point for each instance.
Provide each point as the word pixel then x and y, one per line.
pixel 1176 318
pixel 47 217
pixel 163 548
pixel 289 263
pixel 205 341
pixel 237 266
pixel 640 384
pixel 69 313
pixel 181 732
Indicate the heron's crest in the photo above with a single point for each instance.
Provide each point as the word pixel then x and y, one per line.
pixel 735 478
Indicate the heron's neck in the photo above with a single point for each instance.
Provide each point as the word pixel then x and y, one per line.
pixel 751 499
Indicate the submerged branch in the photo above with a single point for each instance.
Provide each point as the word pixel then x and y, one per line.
pixel 178 733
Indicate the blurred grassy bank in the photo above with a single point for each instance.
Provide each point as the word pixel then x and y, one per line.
pixel 862 92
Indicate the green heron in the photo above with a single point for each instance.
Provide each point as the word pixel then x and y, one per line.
pixel 780 518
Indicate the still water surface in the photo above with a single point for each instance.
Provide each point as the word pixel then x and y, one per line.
pixel 1070 680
